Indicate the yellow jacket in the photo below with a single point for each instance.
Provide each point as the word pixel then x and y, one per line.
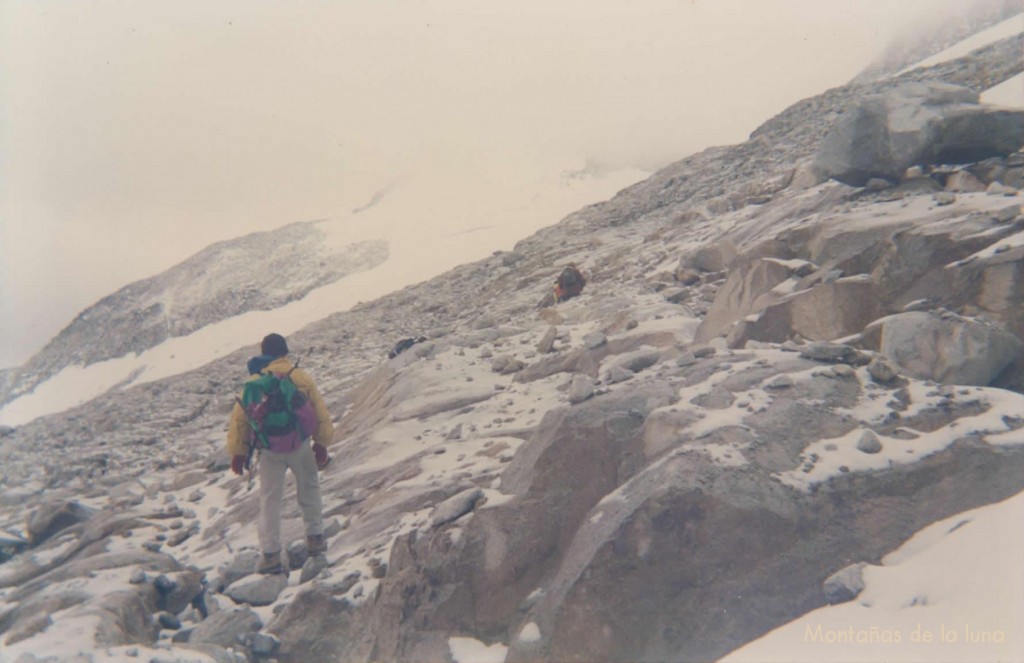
pixel 238 426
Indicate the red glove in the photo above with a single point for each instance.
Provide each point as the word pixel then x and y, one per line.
pixel 238 464
pixel 320 451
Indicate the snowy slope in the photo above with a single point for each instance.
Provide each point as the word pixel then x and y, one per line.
pixel 1007 28
pixel 427 232
pixel 952 592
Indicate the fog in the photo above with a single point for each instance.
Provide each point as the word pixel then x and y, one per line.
pixel 133 134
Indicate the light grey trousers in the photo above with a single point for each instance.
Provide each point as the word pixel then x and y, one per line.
pixel 272 470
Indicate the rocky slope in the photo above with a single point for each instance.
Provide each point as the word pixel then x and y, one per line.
pixel 664 468
pixel 259 272
pixel 921 42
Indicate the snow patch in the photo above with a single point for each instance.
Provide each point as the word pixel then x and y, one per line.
pixel 952 592
pixel 471 650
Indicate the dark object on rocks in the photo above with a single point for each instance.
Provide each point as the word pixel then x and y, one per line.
pixel 569 283
pixel 164 585
pixel 404 345
pixel 168 621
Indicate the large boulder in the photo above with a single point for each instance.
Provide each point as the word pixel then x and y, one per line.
pixel 712 257
pixel 257 590
pixel 745 291
pixel 824 312
pixel 917 123
pixel 50 518
pixel 948 348
pixel 225 627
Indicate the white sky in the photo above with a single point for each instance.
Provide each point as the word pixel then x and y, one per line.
pixel 133 134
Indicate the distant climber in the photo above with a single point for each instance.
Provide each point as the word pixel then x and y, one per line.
pixel 569 283
pixel 279 409
pixel 404 345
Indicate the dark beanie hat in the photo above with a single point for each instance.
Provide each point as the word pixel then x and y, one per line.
pixel 274 345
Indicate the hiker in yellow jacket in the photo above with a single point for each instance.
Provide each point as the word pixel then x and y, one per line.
pixel 304 460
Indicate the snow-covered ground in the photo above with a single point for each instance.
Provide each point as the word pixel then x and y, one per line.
pixel 1009 27
pixel 952 592
pixel 1009 93
pixel 427 232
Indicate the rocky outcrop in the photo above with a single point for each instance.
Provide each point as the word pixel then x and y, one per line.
pixel 832 280
pixel 643 495
pixel 225 628
pixel 262 271
pixel 948 348
pixel 51 518
pixel 918 123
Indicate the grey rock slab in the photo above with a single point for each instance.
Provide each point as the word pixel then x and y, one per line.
pixel 998 189
pixel 704 352
pixel 581 388
pixel 824 351
pixel 617 374
pixel 241 565
pixel 869 442
pixel 783 381
pixel 675 295
pixel 53 517
pixel 882 370
pixel 948 349
pixel 686 359
pixel 638 360
pixel 312 567
pixel 455 506
pixel 845 584
pixel 714 257
pixel 298 553
pixel 258 590
pixel 594 340
pixel 547 342
pixel 264 644
pixel 224 627
pixel 178 590
pixel 916 123
pixel 718 398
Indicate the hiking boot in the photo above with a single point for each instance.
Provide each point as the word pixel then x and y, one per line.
pixel 315 544
pixel 271 564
